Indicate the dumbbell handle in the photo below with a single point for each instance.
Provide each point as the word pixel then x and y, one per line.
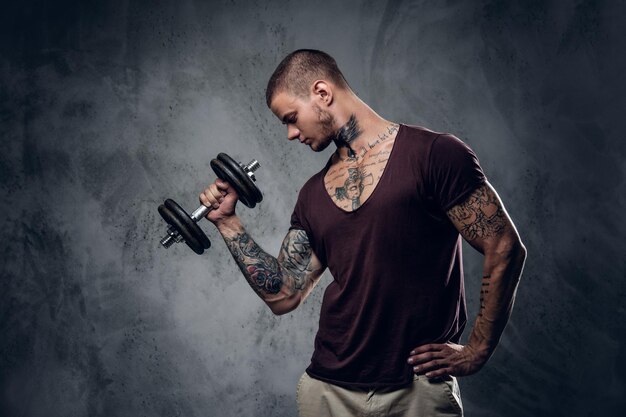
pixel 200 212
pixel 172 234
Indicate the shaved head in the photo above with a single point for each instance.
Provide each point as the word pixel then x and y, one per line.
pixel 297 72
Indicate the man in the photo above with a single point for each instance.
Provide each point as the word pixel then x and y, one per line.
pixel 385 215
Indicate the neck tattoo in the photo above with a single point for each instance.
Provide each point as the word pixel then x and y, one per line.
pixel 347 134
pixel 351 130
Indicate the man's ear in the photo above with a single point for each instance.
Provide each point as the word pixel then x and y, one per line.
pixel 322 92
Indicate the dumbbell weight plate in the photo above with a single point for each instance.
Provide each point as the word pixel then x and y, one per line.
pixel 188 221
pixel 175 216
pixel 229 170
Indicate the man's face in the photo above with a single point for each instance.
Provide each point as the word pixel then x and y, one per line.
pixel 305 120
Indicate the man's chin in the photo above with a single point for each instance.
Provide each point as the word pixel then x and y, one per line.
pixel 319 146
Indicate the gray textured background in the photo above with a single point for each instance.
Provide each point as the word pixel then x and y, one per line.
pixel 107 108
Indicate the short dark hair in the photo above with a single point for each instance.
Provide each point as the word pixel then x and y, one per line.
pixel 299 69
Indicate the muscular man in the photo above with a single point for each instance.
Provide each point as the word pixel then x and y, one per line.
pixel 385 216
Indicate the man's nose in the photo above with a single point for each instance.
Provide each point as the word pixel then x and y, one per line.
pixel 292 132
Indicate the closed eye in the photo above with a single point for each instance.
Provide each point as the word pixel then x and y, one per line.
pixel 289 119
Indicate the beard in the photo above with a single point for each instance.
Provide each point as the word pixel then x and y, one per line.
pixel 327 123
pixel 342 137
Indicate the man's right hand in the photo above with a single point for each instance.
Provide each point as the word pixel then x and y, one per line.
pixel 222 198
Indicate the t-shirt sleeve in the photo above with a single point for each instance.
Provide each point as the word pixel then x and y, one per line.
pixel 298 216
pixel 296 223
pixel 453 171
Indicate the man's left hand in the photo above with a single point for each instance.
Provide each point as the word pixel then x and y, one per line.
pixel 435 360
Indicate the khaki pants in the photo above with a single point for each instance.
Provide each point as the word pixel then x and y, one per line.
pixel 423 398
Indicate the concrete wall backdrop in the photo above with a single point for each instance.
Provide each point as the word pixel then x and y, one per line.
pixel 107 108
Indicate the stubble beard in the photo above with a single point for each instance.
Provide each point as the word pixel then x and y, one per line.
pixel 342 137
pixel 327 123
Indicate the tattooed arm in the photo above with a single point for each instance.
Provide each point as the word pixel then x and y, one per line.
pixel 283 282
pixel 484 224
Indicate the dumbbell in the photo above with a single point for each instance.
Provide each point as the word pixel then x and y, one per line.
pixel 183 227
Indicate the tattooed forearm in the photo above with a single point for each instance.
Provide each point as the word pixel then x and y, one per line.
pixel 273 279
pixel 483 293
pixel 484 223
pixel 480 216
pixel 261 270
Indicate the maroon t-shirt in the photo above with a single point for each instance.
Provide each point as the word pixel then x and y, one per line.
pixel 396 261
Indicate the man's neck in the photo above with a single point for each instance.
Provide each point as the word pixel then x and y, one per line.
pixel 361 133
pixel 347 135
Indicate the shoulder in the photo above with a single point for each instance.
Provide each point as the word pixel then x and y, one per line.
pixel 417 138
pixel 312 182
pixel 433 146
pixel 430 137
pixel 307 191
pixel 448 148
pixel 419 133
pixel 416 143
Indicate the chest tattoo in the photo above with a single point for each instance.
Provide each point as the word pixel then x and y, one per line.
pixel 353 186
pixel 350 181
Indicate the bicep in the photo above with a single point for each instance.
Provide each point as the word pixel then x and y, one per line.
pixel 483 221
pixel 299 262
